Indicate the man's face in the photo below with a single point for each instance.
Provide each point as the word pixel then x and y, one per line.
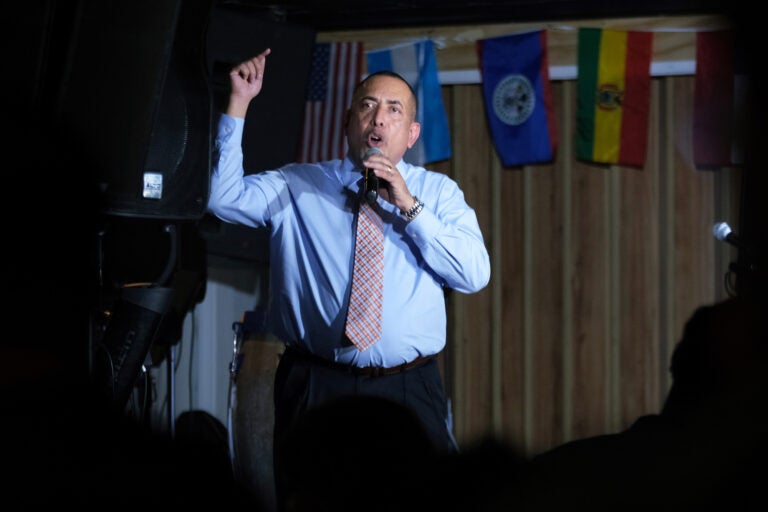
pixel 382 116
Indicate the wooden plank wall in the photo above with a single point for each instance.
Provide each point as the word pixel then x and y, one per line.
pixel 594 271
pixel 595 268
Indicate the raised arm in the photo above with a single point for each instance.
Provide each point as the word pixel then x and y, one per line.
pixel 230 199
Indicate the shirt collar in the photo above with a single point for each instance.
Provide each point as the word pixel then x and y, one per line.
pixel 348 174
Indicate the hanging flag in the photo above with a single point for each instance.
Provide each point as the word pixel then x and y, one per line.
pixel 720 90
pixel 336 69
pixel 614 91
pixel 518 97
pixel 418 65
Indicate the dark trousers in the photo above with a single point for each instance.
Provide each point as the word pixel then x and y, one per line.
pixel 303 383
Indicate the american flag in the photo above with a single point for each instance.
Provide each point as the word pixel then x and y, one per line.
pixel 336 69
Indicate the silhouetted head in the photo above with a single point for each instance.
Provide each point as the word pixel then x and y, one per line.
pixel 353 452
pixel 722 357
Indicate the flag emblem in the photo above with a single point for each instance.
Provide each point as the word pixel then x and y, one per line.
pixel 613 95
pixel 518 100
pixel 514 100
pixel 609 97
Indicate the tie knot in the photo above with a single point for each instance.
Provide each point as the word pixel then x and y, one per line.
pixel 367 219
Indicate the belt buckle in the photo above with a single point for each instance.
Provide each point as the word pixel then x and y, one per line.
pixel 377 371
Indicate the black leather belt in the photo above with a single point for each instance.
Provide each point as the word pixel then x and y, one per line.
pixel 368 371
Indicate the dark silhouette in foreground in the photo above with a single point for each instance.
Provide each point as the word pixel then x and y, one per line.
pixel 707 446
pixel 352 451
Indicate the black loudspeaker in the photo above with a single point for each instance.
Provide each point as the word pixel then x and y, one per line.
pixel 275 117
pixel 135 100
pixel 118 357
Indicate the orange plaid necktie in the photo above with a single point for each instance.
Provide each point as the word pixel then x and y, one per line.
pixel 365 300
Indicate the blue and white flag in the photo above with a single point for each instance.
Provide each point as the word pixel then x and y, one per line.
pixel 518 99
pixel 417 64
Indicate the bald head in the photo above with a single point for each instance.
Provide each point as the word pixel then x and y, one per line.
pixel 413 102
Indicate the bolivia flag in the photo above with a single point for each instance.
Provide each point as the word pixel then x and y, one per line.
pixel 613 95
pixel 518 99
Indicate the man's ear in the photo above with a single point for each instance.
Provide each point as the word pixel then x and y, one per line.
pixel 413 133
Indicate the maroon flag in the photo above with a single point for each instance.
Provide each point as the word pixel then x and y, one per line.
pixel 719 99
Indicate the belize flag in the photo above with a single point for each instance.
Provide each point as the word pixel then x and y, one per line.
pixel 518 98
pixel 614 94
pixel 418 65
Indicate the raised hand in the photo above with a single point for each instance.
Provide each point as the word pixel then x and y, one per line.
pixel 246 80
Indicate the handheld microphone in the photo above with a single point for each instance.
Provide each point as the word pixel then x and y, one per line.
pixel 371 181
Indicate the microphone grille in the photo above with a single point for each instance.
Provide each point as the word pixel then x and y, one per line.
pixel 721 230
pixel 370 152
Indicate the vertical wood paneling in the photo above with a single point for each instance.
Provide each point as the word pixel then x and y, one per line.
pixel 565 100
pixel 614 397
pixel 666 159
pixel 512 271
pixel 589 272
pixel 545 230
pixel 472 170
pixel 694 216
pixel 639 282
pixel 595 270
pixel 496 304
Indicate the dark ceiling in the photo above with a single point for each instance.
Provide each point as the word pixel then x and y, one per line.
pixel 372 14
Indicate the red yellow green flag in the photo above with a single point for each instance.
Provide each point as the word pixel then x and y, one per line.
pixel 613 89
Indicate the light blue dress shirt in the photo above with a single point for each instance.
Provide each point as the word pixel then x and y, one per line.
pixel 310 212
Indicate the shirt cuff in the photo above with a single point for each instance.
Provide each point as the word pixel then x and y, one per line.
pixel 230 130
pixel 424 227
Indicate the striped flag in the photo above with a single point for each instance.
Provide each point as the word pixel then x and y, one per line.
pixel 336 69
pixel 418 65
pixel 518 98
pixel 613 89
pixel 720 89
